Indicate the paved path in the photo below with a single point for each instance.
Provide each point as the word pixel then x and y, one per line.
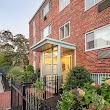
pixel 1 86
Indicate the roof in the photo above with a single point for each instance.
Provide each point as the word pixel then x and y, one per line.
pixel 47 43
pixel 37 10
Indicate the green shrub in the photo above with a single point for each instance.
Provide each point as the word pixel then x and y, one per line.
pixel 66 102
pixel 14 73
pixel 77 77
pixel 29 68
pixel 37 74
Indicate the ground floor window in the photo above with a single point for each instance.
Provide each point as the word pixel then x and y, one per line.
pixel 98 77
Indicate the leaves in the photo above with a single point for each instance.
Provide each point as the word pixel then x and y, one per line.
pixel 15 48
pixel 77 77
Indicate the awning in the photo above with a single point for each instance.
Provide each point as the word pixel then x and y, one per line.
pixel 47 43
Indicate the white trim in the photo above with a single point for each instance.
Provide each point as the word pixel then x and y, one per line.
pixel 52 42
pixel 50 28
pixel 50 1
pixel 64 30
pixel 58 61
pixel 64 7
pixel 85 8
pixel 94 31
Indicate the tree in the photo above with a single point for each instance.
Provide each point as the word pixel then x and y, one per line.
pixel 15 48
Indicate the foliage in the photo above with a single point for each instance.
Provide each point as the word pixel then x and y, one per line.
pixel 2 58
pixel 37 74
pixel 21 76
pixel 77 77
pixel 97 101
pixel 66 102
pixel 15 48
pixel 14 73
pixel 29 68
pixel 38 84
pixel 94 95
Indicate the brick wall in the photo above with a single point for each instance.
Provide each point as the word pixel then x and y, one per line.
pixel 81 22
pixel 5 100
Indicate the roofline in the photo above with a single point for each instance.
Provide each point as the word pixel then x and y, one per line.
pixel 53 41
pixel 37 10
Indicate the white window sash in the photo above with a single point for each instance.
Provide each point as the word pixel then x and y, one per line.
pixel 64 30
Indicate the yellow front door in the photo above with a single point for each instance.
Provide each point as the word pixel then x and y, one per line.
pixel 65 66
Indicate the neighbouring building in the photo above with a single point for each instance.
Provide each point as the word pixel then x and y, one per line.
pixel 66 33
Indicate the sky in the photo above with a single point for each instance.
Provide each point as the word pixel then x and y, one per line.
pixel 16 14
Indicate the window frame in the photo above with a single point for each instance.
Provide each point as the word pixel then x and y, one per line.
pixel 50 5
pixel 64 6
pixel 94 37
pixel 49 32
pixel 64 31
pixel 95 3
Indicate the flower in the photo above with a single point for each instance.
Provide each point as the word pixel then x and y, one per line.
pixel 107 82
pixel 93 84
pixel 82 93
pixel 97 86
pixel 78 89
pixel 103 101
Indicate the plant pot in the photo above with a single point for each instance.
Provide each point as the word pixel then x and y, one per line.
pixel 91 108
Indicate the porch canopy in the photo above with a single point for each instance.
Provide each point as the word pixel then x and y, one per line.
pixel 48 43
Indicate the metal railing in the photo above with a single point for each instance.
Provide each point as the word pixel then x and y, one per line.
pixel 26 97
pixel 99 77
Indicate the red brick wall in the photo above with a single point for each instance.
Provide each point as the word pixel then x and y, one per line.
pixel 81 22
pixel 5 100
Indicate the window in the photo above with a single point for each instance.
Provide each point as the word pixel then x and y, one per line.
pixel 46 8
pixel 65 30
pixel 99 77
pixel 90 3
pixel 47 31
pixel 99 38
pixel 63 4
pixel 34 32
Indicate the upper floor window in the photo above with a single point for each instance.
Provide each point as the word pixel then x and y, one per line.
pixel 34 32
pixel 99 38
pixel 90 3
pixel 65 30
pixel 47 31
pixel 63 4
pixel 46 9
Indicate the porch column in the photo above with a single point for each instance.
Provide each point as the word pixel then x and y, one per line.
pixel 75 57
pixel 59 69
pixel 58 61
pixel 34 61
pixel 41 68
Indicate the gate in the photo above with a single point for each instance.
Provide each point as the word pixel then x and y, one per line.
pixel 25 97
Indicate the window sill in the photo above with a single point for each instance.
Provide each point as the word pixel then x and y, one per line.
pixel 97 48
pixel 65 38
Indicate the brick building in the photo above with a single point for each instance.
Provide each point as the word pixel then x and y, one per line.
pixel 66 33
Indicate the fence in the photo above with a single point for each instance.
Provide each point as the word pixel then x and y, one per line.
pixel 5 83
pixel 27 97
pixel 99 77
pixel 4 70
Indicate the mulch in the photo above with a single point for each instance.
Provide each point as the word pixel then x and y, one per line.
pixel 53 102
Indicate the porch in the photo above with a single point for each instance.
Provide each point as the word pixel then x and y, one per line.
pixel 56 57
